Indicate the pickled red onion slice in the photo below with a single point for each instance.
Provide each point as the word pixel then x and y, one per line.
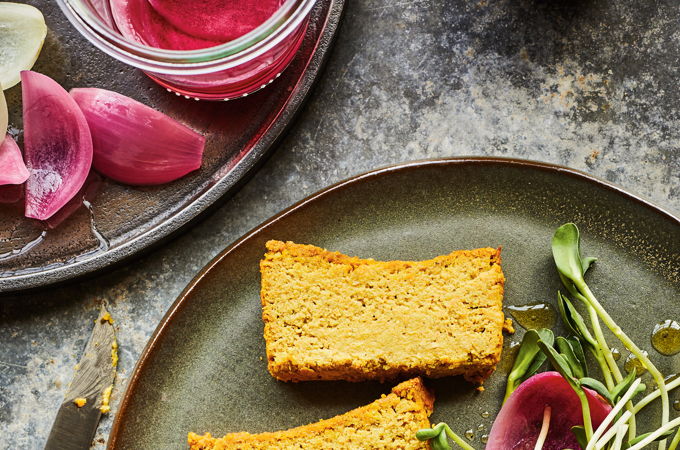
pixel 518 424
pixel 12 167
pixel 11 193
pixel 135 144
pixel 57 145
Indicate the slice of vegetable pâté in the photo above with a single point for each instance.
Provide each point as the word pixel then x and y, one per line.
pixel 328 316
pixel 388 423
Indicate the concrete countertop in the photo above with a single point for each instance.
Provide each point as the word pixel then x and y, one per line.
pixel 590 84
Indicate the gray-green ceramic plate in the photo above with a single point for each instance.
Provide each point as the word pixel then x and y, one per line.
pixel 205 367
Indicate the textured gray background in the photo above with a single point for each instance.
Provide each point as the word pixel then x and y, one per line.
pixel 586 83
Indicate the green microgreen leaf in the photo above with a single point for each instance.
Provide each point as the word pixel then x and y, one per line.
pixel 567 253
pixel 535 366
pixel 441 442
pixel 545 335
pixel 641 437
pixel 571 268
pixel 574 321
pixel 438 437
pixel 558 362
pixel 562 366
pixel 623 386
pixel 566 249
pixel 529 358
pixel 568 353
pixel 578 352
pixel 598 387
pixel 571 287
pixel 580 433
pixel 642 387
pixel 586 262
pixel 429 433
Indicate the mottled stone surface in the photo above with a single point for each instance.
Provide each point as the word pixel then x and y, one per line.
pixel 586 83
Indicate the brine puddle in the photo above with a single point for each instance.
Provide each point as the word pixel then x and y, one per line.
pixel 25 249
pixel 103 245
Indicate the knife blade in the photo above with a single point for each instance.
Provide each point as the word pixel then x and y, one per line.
pixel 88 394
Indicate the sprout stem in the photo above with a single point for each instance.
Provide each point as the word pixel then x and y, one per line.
pixel 609 359
pixel 649 439
pixel 585 410
pixel 612 414
pixel 457 439
pixel 618 442
pixel 604 368
pixel 613 430
pixel 675 441
pixel 510 387
pixel 602 343
pixel 544 428
pixel 630 345
pixel 647 400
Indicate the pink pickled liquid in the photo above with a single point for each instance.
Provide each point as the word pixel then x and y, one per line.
pixel 189 24
pixel 197 24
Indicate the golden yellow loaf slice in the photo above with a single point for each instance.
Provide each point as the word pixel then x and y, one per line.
pixel 390 422
pixel 328 316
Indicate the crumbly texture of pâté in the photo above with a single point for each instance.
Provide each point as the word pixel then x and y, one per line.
pixel 390 422
pixel 328 316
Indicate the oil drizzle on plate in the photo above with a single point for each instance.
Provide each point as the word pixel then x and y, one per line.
pixel 633 363
pixel 666 337
pixel 533 315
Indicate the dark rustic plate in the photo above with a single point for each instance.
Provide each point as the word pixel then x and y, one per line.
pixel 124 219
pixel 204 369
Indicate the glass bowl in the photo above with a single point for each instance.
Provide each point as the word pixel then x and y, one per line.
pixel 224 72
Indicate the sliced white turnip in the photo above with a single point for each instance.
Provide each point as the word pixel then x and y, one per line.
pixel 22 33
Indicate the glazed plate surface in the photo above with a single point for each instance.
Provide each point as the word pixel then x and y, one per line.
pixel 125 220
pixel 204 370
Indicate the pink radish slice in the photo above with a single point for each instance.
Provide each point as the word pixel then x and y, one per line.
pixel 518 424
pixel 57 145
pixel 12 167
pixel 135 144
pixel 216 20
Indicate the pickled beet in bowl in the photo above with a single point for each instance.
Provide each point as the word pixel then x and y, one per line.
pixel 201 49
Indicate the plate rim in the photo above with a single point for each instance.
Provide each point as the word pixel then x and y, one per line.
pixel 208 200
pixel 182 298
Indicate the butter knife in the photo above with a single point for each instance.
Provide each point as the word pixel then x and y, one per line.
pixel 88 394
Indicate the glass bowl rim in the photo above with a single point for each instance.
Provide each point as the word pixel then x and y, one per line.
pixel 280 24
